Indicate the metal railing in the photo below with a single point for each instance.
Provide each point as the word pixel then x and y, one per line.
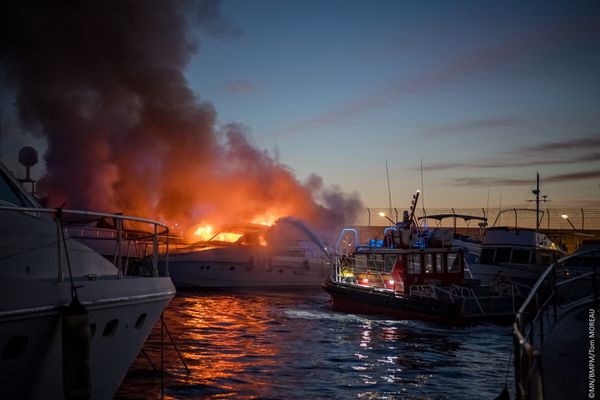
pixel 571 281
pixel 577 219
pixel 155 241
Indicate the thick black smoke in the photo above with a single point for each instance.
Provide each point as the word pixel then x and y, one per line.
pixel 104 83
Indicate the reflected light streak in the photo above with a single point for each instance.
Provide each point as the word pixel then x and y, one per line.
pixel 208 330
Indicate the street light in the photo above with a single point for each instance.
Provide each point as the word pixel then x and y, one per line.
pixel 382 214
pixel 565 216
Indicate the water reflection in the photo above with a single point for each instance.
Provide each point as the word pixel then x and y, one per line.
pixel 291 345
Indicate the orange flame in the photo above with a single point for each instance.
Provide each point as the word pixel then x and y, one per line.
pixel 207 232
pixel 267 219
pixel 204 232
pixel 227 237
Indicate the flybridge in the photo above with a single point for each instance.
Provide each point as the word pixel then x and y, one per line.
pixel 518 237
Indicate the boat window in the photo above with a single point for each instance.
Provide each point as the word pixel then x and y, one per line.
pixel 11 194
pixel 428 263
pixel 414 264
pixel 376 261
pixel 439 263
pixel 390 261
pixel 503 255
pixel 487 256
pixel 545 259
pixel 361 262
pixel 453 262
pixel 520 256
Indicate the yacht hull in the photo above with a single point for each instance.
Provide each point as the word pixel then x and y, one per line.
pixel 31 335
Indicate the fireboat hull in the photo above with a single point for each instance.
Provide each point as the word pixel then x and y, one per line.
pixel 357 300
pixel 365 300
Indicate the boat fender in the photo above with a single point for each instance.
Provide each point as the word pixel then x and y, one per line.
pixel 76 340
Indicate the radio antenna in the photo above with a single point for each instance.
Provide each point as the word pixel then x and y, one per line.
pixel 387 172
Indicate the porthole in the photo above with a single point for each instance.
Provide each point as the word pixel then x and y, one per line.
pixel 141 320
pixel 111 328
pixel 281 271
pixel 232 268
pixel 14 347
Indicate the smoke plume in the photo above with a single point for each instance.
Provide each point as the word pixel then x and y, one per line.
pixel 104 83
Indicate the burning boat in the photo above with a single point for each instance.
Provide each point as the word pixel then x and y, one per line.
pixel 286 254
pixel 407 278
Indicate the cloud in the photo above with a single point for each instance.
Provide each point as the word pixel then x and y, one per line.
pixel 567 144
pixel 490 182
pixel 512 163
pixel 469 126
pixel 574 176
pixel 564 152
pixel 239 86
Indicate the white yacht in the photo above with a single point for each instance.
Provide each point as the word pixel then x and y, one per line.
pixel 71 322
pixel 516 253
pixel 519 254
pixel 284 255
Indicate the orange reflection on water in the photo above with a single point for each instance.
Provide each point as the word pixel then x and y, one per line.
pixel 223 339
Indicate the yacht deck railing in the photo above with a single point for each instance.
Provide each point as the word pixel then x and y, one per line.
pixel 155 241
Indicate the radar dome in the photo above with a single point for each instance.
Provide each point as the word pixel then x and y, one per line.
pixel 28 156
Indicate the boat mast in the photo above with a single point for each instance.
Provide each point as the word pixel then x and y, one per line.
pixel 536 191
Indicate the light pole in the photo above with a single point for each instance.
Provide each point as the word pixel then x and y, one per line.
pixel 382 214
pixel 565 216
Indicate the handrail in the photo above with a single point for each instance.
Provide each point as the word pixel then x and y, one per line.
pixel 536 316
pixel 117 260
pixel 506 210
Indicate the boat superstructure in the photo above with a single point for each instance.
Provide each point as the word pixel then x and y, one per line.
pixel 471 246
pixel 521 254
pixel 518 253
pixel 71 322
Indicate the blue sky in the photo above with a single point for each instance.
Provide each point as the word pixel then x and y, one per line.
pixel 484 93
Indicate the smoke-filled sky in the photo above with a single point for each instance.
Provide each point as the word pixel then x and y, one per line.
pixel 191 110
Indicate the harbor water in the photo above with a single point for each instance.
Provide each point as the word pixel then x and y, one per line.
pixel 280 344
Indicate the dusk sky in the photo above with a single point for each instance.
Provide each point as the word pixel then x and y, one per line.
pixel 484 93
pixel 250 108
